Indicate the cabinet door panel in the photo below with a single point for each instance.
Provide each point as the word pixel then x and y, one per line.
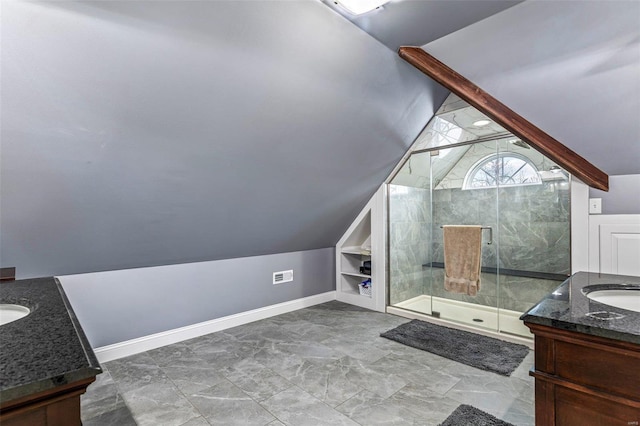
pixel 599 368
pixel 578 409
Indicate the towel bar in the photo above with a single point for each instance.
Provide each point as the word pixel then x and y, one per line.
pixel 483 227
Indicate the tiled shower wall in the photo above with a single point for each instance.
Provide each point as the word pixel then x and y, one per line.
pixel 533 235
pixel 409 236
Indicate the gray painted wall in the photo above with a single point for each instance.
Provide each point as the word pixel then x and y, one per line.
pixel 623 196
pixel 569 67
pixel 142 133
pixel 116 306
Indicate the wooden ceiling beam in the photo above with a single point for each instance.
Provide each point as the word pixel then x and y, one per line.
pixel 507 118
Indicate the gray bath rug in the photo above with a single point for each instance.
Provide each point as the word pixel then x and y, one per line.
pixel 468 348
pixel 470 416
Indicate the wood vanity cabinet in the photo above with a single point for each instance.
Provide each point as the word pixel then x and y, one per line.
pixel 584 380
pixel 59 406
pixel 46 361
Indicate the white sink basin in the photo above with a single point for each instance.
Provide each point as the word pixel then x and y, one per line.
pixel 10 313
pixel 625 299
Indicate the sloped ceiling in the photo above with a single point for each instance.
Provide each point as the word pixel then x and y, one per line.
pixel 141 133
pixel 570 68
pixel 417 22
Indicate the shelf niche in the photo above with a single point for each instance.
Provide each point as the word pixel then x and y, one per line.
pixel 363 241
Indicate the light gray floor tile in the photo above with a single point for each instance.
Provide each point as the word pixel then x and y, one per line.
pixel 295 407
pixel 429 406
pixel 429 376
pixel 258 331
pixel 487 391
pixel 195 377
pixel 198 421
pixel 159 404
pixel 294 316
pixel 101 396
pixel 336 305
pixel 362 350
pixel 226 404
pixel 271 356
pixel 178 354
pixel 306 331
pixel 369 409
pixel 118 417
pixel 328 382
pixel 522 372
pixel 256 380
pixel 329 318
pixel 298 367
pixel 362 374
pixel 221 350
pixel 420 357
pixel 520 413
pixel 135 372
pixel 310 351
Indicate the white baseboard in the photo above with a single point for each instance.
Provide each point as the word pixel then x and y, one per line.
pixel 153 341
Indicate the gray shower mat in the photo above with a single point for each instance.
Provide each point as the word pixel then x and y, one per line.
pixel 471 416
pixel 468 348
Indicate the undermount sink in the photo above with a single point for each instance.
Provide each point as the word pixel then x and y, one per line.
pixel 10 313
pixel 624 297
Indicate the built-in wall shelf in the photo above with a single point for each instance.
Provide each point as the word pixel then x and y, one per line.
pixel 353 274
pixel 356 250
pixel 363 241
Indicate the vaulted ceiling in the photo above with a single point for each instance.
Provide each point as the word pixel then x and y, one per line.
pixel 571 68
pixel 418 22
pixel 142 133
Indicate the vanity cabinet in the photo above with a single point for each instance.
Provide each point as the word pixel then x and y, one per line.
pixel 54 407
pixel 46 361
pixel 582 379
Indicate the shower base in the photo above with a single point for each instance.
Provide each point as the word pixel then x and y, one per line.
pixel 480 317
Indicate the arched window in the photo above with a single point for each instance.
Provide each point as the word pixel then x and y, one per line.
pixel 504 169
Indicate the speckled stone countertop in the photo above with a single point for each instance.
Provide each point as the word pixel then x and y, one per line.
pixel 568 308
pixel 45 349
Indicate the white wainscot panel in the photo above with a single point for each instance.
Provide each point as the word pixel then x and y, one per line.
pixel 614 244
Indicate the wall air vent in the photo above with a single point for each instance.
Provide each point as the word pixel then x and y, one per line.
pixel 283 276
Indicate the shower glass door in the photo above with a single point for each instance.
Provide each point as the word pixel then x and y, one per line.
pixel 464 192
pixel 465 169
pixel 534 237
pixel 427 193
pixel 409 213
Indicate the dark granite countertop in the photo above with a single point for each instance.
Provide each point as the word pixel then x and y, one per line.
pixel 568 308
pixel 45 349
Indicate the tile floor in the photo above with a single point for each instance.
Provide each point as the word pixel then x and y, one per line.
pixel 323 365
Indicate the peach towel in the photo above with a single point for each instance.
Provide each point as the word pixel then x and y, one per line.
pixel 462 258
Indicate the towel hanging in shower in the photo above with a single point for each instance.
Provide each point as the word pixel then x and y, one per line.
pixel 462 258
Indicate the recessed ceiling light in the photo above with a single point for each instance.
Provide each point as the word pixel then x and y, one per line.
pixel 481 123
pixel 358 7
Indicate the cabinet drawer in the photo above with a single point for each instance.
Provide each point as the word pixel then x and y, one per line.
pixel 574 408
pixel 599 367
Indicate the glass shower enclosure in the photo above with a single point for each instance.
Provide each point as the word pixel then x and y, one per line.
pixel 460 173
